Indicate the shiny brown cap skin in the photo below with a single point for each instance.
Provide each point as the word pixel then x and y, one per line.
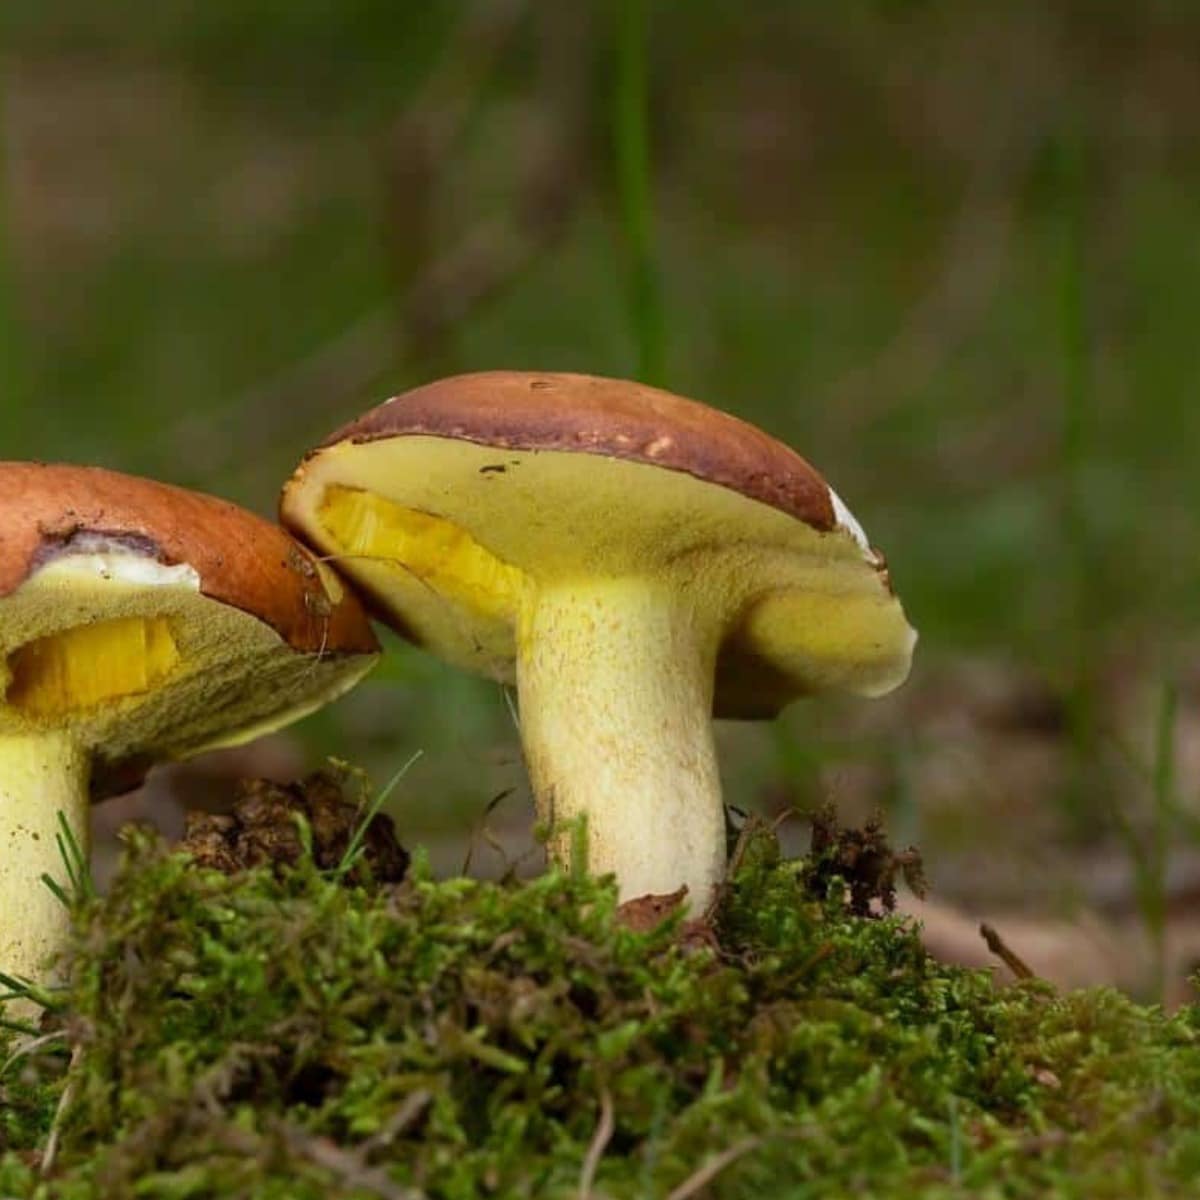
pixel 242 560
pixel 525 410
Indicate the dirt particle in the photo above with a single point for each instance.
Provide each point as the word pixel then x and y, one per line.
pixel 262 829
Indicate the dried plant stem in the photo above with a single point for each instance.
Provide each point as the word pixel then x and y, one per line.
pixel 701 1178
pixel 997 945
pixel 50 1152
pixel 597 1146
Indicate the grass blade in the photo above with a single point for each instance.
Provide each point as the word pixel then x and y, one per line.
pixel 60 893
pixel 354 849
pixel 634 189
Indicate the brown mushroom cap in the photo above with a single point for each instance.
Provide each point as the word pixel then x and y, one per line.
pixel 474 486
pixel 242 559
pixel 614 418
pixel 257 632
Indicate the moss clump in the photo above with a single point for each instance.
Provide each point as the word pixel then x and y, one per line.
pixel 283 1035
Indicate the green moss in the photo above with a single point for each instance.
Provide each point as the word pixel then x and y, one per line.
pixel 270 1035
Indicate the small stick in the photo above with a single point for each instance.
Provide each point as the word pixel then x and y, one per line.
pixel 28 1047
pixel 996 944
pixel 599 1142
pixel 711 1169
pixel 480 830
pixel 64 1102
pixel 349 1168
pixel 415 1103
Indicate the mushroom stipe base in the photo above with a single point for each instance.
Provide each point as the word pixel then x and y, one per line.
pixel 288 1037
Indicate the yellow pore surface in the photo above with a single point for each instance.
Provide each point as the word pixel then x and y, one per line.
pixel 456 541
pixel 134 667
pixel 75 669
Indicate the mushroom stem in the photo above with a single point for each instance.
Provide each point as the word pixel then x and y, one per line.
pixel 41 775
pixel 615 682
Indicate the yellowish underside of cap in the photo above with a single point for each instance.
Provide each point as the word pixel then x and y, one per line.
pixel 456 540
pixel 127 669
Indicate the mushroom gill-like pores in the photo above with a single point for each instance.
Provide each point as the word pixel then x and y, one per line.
pixel 138 623
pixel 633 561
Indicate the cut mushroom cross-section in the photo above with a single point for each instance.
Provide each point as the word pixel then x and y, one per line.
pixel 140 622
pixel 633 561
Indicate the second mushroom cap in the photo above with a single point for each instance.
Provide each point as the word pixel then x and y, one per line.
pixel 140 622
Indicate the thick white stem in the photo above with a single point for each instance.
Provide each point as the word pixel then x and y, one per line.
pixel 40 776
pixel 615 681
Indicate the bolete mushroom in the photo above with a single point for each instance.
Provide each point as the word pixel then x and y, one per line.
pixel 633 561
pixel 140 622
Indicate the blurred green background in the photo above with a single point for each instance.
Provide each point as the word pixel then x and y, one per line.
pixel 948 250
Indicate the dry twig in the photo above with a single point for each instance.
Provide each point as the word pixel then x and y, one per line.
pixel 50 1153
pixel 997 945
pixel 597 1146
pixel 700 1178
pixel 348 1168
pixel 415 1103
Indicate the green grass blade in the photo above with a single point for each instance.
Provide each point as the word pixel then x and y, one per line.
pixel 13 412
pixel 634 187
pixel 60 893
pixel 24 989
pixel 355 847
